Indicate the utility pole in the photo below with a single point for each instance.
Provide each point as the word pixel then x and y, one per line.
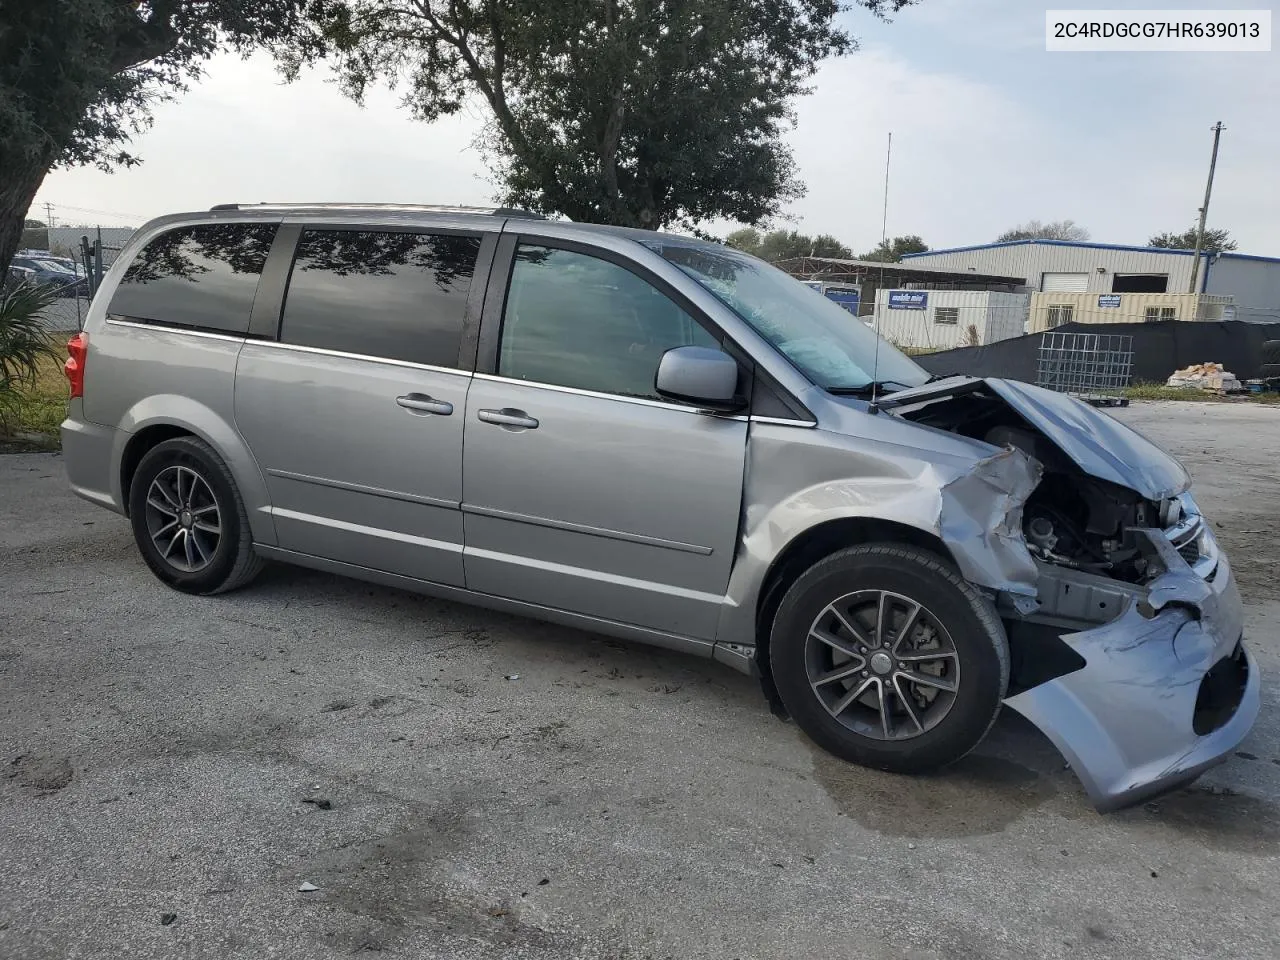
pixel 48 215
pixel 1204 211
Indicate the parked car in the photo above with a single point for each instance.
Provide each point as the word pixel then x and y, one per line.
pixel 17 276
pixel 51 271
pixel 661 439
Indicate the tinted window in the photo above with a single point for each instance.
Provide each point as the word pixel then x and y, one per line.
pixel 579 321
pixel 401 296
pixel 203 277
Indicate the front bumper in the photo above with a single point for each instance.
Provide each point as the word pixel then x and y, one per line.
pixel 1146 714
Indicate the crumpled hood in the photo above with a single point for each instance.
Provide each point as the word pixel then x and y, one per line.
pixel 1101 446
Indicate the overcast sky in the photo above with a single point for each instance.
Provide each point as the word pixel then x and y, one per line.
pixel 988 130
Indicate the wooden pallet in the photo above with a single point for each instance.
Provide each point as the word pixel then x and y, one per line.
pixel 1099 400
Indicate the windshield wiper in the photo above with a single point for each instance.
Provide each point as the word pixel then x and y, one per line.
pixel 876 386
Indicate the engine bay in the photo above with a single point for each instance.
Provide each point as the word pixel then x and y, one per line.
pixel 1071 519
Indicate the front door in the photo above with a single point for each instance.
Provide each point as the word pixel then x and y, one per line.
pixel 583 490
pixel 356 414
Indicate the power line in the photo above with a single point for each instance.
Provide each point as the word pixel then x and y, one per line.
pixel 104 213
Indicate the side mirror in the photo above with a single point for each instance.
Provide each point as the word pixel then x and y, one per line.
pixel 701 376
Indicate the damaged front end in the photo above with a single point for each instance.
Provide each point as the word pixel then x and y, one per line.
pixel 1127 651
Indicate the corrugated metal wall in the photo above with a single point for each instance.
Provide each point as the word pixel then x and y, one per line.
pixel 1255 284
pixel 1049 310
pixel 1033 260
pixel 981 315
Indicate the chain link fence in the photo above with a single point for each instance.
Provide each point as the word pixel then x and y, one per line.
pixel 90 258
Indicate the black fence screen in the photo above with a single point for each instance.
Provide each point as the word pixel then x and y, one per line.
pixel 1158 349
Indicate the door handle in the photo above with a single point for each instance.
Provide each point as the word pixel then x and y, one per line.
pixel 508 417
pixel 421 403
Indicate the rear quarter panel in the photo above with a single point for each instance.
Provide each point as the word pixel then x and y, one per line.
pixel 147 376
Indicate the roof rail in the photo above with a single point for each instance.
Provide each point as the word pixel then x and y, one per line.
pixel 434 208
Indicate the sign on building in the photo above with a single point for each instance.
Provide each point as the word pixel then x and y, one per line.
pixel 848 299
pixel 1109 301
pixel 908 299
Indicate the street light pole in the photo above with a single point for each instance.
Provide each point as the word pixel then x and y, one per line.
pixel 1204 211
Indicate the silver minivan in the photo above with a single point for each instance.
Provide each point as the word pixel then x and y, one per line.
pixel 661 439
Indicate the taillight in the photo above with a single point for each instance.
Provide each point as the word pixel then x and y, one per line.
pixel 77 352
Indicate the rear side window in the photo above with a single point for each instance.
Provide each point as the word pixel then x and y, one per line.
pixel 400 296
pixel 575 320
pixel 202 277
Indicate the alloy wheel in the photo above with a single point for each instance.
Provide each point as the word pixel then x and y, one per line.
pixel 183 519
pixel 882 665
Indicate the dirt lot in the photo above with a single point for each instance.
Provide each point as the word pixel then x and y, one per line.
pixel 458 784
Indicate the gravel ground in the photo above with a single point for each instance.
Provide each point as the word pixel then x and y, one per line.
pixel 460 784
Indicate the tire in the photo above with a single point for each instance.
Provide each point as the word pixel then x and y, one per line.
pixel 1271 353
pixel 956 639
pixel 181 486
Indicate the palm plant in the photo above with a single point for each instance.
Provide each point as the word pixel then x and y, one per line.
pixel 24 342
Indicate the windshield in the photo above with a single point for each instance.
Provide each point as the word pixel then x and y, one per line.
pixel 831 346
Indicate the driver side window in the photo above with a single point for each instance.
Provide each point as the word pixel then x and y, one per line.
pixel 574 320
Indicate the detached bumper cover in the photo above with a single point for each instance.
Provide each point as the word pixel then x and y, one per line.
pixel 1127 721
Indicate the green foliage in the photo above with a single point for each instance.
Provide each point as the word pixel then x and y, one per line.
pixel 786 245
pixel 24 343
pixel 1158 391
pixel 747 240
pixel 1215 241
pixel 79 77
pixel 892 251
pixel 617 111
pixel 1054 230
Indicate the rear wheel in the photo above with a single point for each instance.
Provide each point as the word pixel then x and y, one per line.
pixel 188 519
pixel 885 656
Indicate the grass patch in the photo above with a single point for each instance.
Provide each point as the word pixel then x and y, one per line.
pixel 1158 391
pixel 33 422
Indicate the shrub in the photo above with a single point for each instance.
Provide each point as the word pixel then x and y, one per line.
pixel 24 342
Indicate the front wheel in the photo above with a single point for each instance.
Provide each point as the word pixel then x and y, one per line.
pixel 885 656
pixel 188 519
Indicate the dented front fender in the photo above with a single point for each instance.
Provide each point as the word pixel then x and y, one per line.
pixel 966 493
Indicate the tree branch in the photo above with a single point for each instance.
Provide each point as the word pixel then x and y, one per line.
pixel 144 41
pixel 491 85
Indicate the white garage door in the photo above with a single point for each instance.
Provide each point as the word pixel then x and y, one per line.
pixel 1065 283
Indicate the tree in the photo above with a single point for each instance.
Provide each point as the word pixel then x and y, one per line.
pixel 1215 241
pixel 79 77
pixel 1035 230
pixel 747 240
pixel 617 111
pixel 786 245
pixel 33 224
pixel 892 251
pixel 825 245
pixel 789 244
